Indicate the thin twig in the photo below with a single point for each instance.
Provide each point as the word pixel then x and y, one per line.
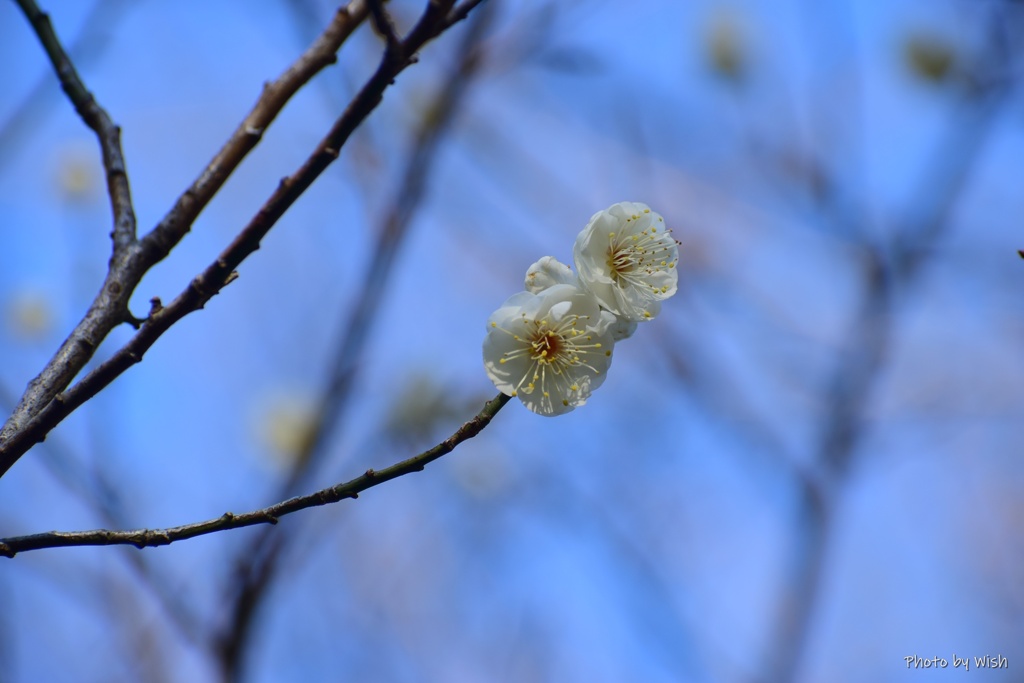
pixel 97 119
pixel 87 47
pixel 461 12
pixel 384 25
pixel 149 538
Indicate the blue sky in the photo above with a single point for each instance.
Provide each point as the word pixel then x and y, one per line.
pixel 650 535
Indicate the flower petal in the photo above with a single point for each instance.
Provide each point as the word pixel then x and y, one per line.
pixel 546 272
pixel 627 259
pixel 551 349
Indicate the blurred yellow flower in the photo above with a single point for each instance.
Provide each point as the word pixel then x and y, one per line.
pixel 78 173
pixel 930 57
pixel 726 46
pixel 286 423
pixel 30 315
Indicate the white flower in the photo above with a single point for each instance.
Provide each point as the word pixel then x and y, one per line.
pixel 551 349
pixel 621 329
pixel 547 272
pixel 627 259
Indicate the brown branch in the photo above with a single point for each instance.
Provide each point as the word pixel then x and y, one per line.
pixel 42 406
pixel 147 538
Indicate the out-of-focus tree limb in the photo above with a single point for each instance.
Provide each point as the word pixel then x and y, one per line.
pixel 146 538
pixel 93 488
pixel 886 273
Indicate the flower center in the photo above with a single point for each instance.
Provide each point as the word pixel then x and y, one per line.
pixel 554 357
pixel 548 347
pixel 639 259
pixel 620 263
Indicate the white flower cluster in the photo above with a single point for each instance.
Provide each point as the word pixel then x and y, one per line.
pixel 552 344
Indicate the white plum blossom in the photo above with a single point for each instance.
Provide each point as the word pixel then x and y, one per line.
pixel 551 348
pixel 546 272
pixel 627 259
pixel 621 328
pixel 551 345
pixel 549 271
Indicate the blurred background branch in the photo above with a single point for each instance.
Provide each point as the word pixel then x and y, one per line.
pixel 889 275
pixel 256 566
